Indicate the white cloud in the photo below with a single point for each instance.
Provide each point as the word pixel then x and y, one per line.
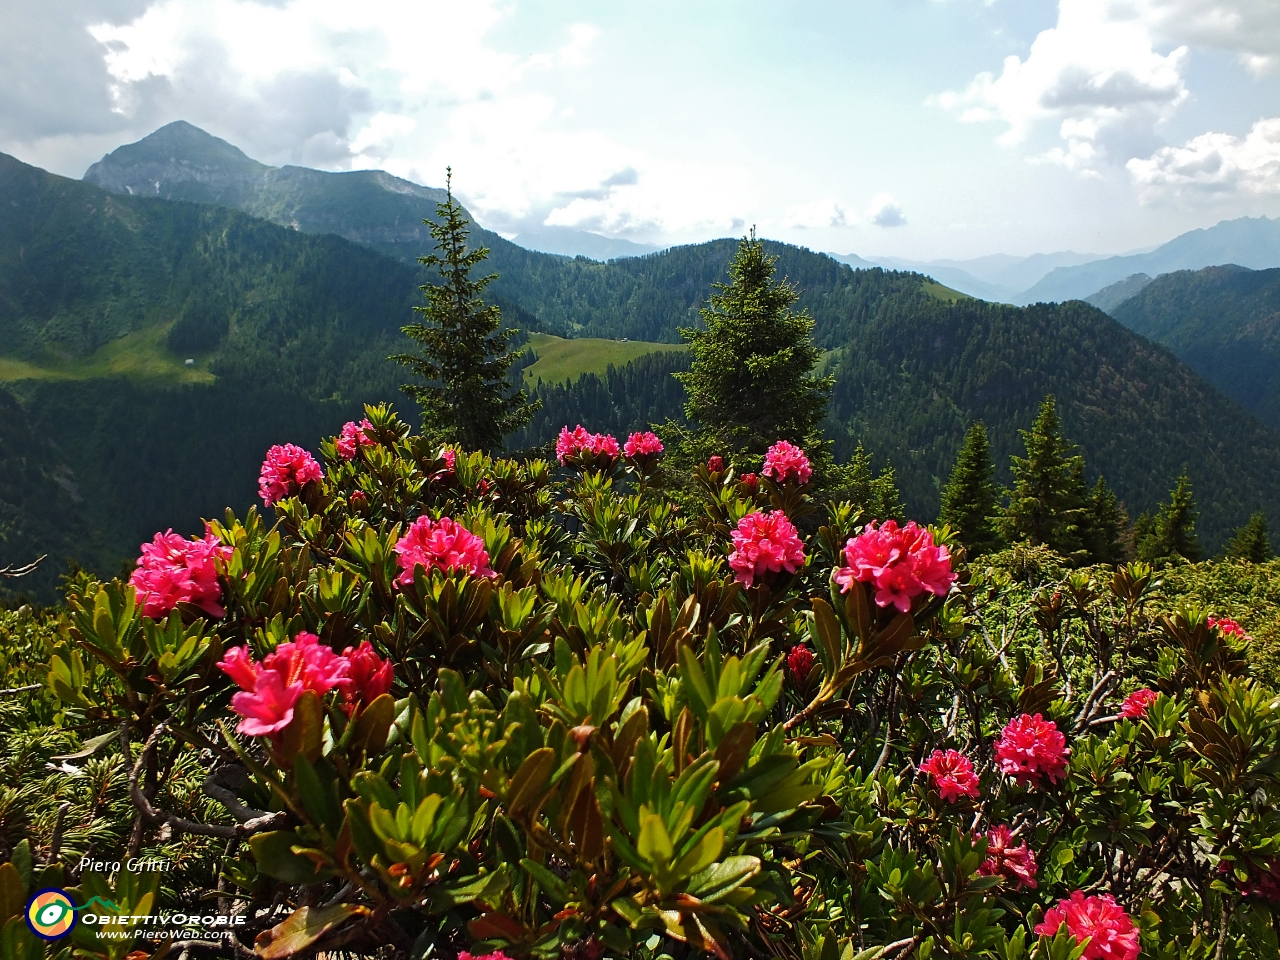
pixel 827 212
pixel 1097 73
pixel 1248 28
pixel 886 212
pixel 1215 163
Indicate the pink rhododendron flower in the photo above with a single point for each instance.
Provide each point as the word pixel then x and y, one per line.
pixel 173 570
pixel 270 690
pixel 646 444
pixel 1100 920
pixel 715 464
pixel 443 544
pixel 285 472
pixel 449 457
pixel 581 444
pixel 764 543
pixel 800 662
pixel 900 562
pixel 952 774
pixel 785 461
pixel 1228 628
pixel 496 955
pixel 1031 748
pixel 368 677
pixel 1017 864
pixel 353 437
pixel 1137 704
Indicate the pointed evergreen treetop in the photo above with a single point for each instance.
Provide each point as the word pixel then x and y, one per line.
pixel 1106 525
pixel 1173 529
pixel 1251 541
pixel 1046 504
pixel 465 357
pixel 750 383
pixel 969 498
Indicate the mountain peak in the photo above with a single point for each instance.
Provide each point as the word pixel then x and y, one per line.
pixel 180 162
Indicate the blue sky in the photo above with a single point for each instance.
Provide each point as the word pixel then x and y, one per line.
pixel 915 128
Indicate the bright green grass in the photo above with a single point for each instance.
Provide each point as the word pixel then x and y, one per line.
pixel 561 360
pixel 938 291
pixel 141 355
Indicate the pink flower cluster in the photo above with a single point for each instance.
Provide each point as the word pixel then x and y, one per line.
pixel 1137 704
pixel 269 690
pixel 580 444
pixel 952 774
pixel 1228 628
pixel 173 570
pixel 800 663
pixel 353 437
pixel 442 544
pixel 901 563
pixel 1100 920
pixel 646 444
pixel 762 543
pixel 496 955
pixel 1016 864
pixel 785 461
pixel 1032 748
pixel 285 471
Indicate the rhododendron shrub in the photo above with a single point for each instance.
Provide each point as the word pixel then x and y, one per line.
pixel 479 706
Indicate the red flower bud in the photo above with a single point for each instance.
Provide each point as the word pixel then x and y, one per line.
pixel 751 482
pixel 715 464
pixel 800 662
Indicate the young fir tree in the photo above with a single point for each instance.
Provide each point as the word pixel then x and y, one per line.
pixel 464 359
pixel 1251 541
pixel 750 382
pixel 877 495
pixel 1172 531
pixel 969 498
pixel 1106 525
pixel 1046 504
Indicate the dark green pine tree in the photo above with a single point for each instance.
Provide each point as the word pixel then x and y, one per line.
pixel 1106 526
pixel 1251 541
pixel 1046 504
pixel 1172 532
pixel 969 498
pixel 875 494
pixel 464 359
pixel 750 382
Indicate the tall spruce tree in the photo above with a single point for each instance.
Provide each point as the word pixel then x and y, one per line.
pixel 1251 541
pixel 1046 503
pixel 750 382
pixel 969 498
pixel 465 353
pixel 1106 525
pixel 1172 532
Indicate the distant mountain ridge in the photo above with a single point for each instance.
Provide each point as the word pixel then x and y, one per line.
pixel 1252 242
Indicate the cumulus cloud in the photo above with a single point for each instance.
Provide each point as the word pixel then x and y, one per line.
pixel 1215 163
pixel 886 212
pixel 1248 28
pixel 1097 73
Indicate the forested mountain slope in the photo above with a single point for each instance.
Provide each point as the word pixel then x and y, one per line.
pixel 290 332
pixel 1224 322
pixel 917 373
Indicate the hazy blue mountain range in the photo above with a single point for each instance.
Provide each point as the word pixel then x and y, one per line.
pixel 1252 242
pixel 580 243
pixel 1224 322
pixel 999 277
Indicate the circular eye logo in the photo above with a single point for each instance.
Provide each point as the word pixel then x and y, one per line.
pixel 51 914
